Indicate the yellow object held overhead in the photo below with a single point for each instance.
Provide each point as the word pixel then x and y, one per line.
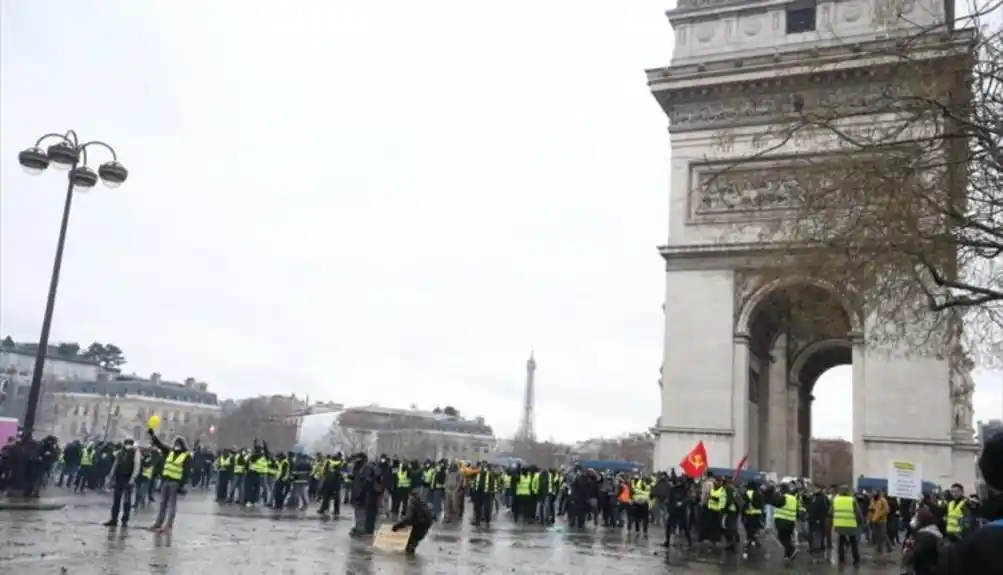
pixel 153 422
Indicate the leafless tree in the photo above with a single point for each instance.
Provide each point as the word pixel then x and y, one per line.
pixel 831 462
pixel 542 453
pixel 261 418
pixel 348 441
pixel 895 200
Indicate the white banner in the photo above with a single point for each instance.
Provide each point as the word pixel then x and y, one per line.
pixel 905 480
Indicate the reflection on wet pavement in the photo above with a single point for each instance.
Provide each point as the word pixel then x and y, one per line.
pixel 214 540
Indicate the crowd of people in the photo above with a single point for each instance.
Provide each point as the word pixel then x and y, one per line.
pixel 948 531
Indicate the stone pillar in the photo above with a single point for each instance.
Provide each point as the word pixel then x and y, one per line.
pixel 778 410
pixel 859 386
pixel 806 403
pixel 740 399
pixel 793 430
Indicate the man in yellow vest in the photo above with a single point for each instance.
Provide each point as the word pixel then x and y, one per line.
pixel 846 518
pixel 640 503
pixel 752 515
pixel 712 515
pixel 177 470
pixel 956 513
pixel 786 506
pixel 404 479
pixel 522 506
pixel 224 474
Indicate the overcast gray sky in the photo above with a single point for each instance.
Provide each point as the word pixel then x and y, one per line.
pixel 374 201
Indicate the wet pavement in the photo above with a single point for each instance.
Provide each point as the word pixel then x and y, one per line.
pixel 212 539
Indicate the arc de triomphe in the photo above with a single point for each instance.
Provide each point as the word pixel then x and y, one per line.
pixel 733 375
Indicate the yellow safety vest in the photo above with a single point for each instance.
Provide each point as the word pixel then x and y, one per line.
pixel 174 465
pixel 429 476
pixel 534 484
pixel 639 491
pixel 789 512
pixel 260 466
pixel 148 472
pixel 403 479
pixel 955 514
pixel 240 466
pixel 524 487
pixel 750 510
pixel 844 514
pixel 717 499
pixel 87 457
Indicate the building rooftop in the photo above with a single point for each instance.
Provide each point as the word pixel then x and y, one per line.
pixel 375 417
pixel 189 392
pixel 52 353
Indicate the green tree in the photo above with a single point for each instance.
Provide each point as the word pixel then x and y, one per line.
pixel 7 343
pixel 68 349
pixel 107 355
pixel 451 411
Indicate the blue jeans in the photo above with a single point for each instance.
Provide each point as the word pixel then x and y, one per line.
pixel 437 497
pixel 142 492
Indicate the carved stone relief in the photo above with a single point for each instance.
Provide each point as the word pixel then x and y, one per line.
pixel 745 285
pixel 962 388
pixel 744 190
pixel 701 115
pixel 751 24
pixel 704 32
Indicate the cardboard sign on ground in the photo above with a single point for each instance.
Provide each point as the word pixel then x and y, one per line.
pixel 387 540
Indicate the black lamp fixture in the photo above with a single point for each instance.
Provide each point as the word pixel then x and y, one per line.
pixel 67 153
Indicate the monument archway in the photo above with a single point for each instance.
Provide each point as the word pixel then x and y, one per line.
pixel 731 81
pixel 796 330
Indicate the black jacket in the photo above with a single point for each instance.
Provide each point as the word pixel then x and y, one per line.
pixel 981 552
pixel 922 551
pixel 418 515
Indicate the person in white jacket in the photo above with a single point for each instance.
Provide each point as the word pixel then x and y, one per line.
pixel 125 470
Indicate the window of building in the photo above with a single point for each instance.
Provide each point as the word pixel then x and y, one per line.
pixel 200 420
pixel 177 416
pixel 76 409
pixel 188 417
pixel 140 414
pixel 86 409
pixel 801 17
pixel 137 433
pixel 118 410
pixel 83 429
pixel 73 429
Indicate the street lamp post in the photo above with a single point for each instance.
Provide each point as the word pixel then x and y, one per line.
pixel 67 153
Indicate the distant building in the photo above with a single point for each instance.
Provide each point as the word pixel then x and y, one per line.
pixel 418 434
pixel 637 447
pixel 117 407
pixel 17 365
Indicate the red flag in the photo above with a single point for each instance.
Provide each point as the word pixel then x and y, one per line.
pixel 695 463
pixel 738 470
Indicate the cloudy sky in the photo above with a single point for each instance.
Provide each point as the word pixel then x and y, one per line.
pixel 377 201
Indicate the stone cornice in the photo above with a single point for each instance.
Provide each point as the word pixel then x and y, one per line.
pixel 813 57
pixel 704 431
pixel 930 442
pixel 687 7
pixel 717 250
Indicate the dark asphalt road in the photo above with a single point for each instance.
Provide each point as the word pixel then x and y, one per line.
pixel 212 540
